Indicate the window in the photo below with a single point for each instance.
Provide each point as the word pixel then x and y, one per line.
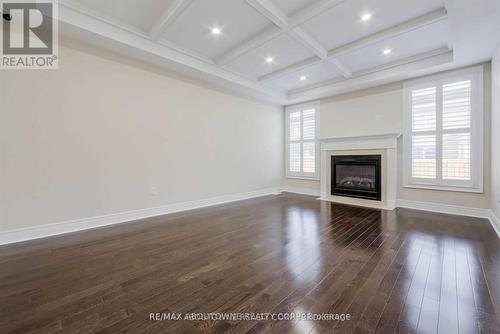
pixel 443 136
pixel 302 141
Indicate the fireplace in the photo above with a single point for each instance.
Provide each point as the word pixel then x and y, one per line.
pixel 357 176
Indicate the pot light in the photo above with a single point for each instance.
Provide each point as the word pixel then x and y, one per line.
pixel 216 31
pixel 366 16
pixel 303 78
pixel 387 51
pixel 269 60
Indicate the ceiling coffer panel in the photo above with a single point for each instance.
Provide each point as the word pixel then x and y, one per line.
pixel 273 55
pixel 306 77
pixel 398 47
pixel 343 23
pixel 235 19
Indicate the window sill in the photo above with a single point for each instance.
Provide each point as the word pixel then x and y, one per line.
pixel 302 178
pixel 445 188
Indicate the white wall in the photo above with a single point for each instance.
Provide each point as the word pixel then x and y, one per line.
pixel 495 135
pixel 364 113
pixel 379 110
pixel 98 137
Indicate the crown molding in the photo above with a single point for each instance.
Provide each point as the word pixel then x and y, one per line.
pixel 88 23
pixel 97 28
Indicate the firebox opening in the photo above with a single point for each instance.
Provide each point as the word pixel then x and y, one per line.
pixel 357 176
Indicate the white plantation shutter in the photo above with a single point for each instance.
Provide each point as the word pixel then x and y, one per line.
pixel 308 124
pixel 424 157
pixel 457 109
pixel 424 109
pixel 295 164
pixel 302 142
pixel 295 126
pixel 457 105
pixel 456 156
pixel 443 143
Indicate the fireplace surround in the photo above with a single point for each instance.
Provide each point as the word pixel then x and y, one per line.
pixel 384 145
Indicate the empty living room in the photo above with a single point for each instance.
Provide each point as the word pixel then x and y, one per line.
pixel 250 166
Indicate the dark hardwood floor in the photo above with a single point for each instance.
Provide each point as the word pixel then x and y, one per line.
pixel 401 271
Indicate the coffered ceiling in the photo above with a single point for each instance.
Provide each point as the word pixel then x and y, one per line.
pixel 288 51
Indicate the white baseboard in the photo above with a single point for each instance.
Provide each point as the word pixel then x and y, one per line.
pixel 495 222
pixel 454 210
pixel 445 208
pixel 42 231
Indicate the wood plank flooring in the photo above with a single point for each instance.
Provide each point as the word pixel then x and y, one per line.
pixel 403 271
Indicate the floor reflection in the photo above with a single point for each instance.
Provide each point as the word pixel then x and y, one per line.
pixel 443 276
pixel 303 252
pixel 350 223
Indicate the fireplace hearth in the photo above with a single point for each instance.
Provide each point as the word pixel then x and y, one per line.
pixel 357 176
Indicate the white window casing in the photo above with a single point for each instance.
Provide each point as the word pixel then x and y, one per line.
pixel 443 131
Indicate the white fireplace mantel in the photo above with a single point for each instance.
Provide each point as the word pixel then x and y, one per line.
pixel 385 144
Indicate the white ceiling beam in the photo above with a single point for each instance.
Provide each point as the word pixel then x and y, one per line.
pixel 249 45
pixel 402 28
pixel 420 64
pixel 295 20
pixel 169 16
pixel 303 37
pixel 291 69
pixel 275 15
pixel 405 27
pixel 344 70
pixel 317 8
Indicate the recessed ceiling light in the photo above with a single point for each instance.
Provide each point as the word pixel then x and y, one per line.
pixel 269 60
pixel 216 31
pixel 387 51
pixel 366 17
pixel 303 78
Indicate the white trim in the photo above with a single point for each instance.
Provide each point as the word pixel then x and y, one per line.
pixel 303 178
pixel 445 208
pixel 475 75
pixel 384 144
pixel 453 210
pixel 35 232
pixel 43 231
pixel 443 188
pixel 495 222
pixel 383 141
